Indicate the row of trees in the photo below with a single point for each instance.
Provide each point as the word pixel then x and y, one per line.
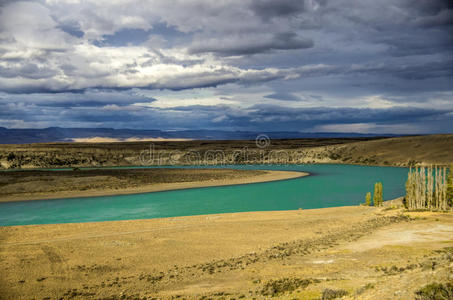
pixel 378 197
pixel 429 188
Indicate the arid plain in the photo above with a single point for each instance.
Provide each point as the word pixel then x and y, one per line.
pixel 352 252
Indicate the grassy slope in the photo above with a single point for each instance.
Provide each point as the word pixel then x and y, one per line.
pixel 431 149
pixel 122 154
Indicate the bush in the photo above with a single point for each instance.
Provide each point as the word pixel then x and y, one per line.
pixel 435 291
pixel 329 294
pixel 276 287
pixel 11 156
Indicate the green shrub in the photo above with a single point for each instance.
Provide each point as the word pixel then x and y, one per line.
pixel 329 294
pixel 276 287
pixel 435 291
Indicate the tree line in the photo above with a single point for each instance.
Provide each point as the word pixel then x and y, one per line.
pixel 429 188
pixel 378 196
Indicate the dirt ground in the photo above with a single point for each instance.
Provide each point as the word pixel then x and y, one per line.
pixel 361 252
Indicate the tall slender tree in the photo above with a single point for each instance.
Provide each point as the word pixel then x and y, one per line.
pixel 381 194
pixel 450 186
pixel 410 189
pixel 368 199
pixel 444 189
pixel 429 188
pixel 377 197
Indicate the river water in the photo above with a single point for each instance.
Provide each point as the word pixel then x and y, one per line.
pixel 327 186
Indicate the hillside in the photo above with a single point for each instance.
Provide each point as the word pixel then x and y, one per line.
pixel 400 151
pixel 60 155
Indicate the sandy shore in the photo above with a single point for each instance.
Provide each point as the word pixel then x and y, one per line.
pixel 365 252
pixel 157 187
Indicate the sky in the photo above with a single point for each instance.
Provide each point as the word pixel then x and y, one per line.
pixel 256 65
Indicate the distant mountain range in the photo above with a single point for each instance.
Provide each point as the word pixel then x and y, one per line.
pixel 57 134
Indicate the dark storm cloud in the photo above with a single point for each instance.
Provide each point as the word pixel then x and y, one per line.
pixel 428 7
pixel 267 9
pixel 80 103
pixel 272 117
pixel 92 63
pixel 246 45
pixel 407 71
pixel 325 115
pixel 264 117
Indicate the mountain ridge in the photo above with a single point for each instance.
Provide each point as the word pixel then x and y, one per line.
pixel 61 134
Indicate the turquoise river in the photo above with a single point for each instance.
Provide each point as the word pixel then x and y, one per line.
pixel 327 186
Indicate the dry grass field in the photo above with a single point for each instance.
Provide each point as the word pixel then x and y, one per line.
pixel 404 151
pixel 359 252
pixel 401 151
pixel 57 155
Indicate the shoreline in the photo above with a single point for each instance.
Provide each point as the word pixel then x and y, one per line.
pixel 128 167
pixel 231 253
pixel 270 176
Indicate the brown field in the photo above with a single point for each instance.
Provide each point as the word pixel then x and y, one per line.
pixel 405 151
pixel 351 252
pixel 56 155
pixel 402 151
pixel 36 184
pixel 369 253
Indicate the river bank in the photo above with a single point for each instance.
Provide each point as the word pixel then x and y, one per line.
pixel 40 185
pixel 361 251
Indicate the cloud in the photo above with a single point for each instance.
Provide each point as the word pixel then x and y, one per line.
pixel 225 117
pixel 70 58
pixel 247 45
pixel 267 9
pixel 283 96
pixel 29 71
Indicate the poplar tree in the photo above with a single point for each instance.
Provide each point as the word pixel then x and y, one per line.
pixel 450 186
pixel 368 199
pixel 377 197
pixel 410 190
pixel 444 189
pixel 381 194
pixel 429 188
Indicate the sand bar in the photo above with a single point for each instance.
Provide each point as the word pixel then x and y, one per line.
pixel 266 176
